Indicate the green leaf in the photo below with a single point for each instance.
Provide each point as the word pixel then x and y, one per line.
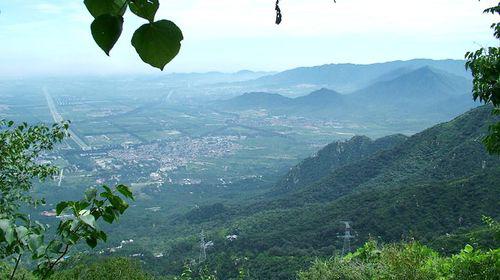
pixel 106 30
pixel 60 207
pixel 21 231
pixel 74 238
pixel 10 235
pixel 90 194
pixel 101 7
pixel 34 242
pixel 88 219
pixel 4 224
pixel 108 215
pixel 125 191
pixel 108 190
pixel 157 43
pixel 74 225
pixel 81 205
pixel 145 8
pixel 118 203
pixel 91 241
pixel 55 247
pixel 468 249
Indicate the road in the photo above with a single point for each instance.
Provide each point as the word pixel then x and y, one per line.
pixel 58 118
pixel 60 177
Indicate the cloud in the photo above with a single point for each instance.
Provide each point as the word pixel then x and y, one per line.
pixel 255 18
pixel 48 8
pixel 235 34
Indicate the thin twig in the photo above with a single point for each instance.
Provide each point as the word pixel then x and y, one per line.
pixel 15 267
pixel 54 263
pixel 278 12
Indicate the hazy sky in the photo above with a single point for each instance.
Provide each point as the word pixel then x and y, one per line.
pixel 53 36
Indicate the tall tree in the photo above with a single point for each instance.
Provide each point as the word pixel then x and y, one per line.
pixel 485 67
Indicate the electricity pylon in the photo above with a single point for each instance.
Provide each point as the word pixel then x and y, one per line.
pixel 203 248
pixel 346 246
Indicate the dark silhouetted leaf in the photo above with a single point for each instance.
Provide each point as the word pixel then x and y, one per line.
pixel 102 7
pixel 145 8
pixel 157 43
pixel 106 29
pixel 60 207
pixel 91 241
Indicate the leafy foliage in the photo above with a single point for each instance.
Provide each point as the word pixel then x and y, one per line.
pixel 20 147
pixel 156 42
pixel 406 261
pixel 108 268
pixel 485 67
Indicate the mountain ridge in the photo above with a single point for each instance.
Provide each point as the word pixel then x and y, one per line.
pixel 348 77
pixel 424 93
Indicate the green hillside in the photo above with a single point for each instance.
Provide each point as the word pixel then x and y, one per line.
pixel 333 156
pixel 435 184
pixel 447 151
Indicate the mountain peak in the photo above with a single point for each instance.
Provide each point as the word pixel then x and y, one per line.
pixel 424 84
pixel 324 92
pixel 425 73
pixel 322 96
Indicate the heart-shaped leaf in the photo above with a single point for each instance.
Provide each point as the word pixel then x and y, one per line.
pixel 4 224
pixel 145 8
pixel 106 30
pixel 157 43
pixel 88 219
pixel 91 241
pixel 21 232
pixel 35 241
pixel 125 191
pixel 10 235
pixel 102 7
pixel 60 207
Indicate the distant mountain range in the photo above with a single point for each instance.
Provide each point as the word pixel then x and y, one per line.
pixel 422 93
pixel 207 78
pixel 346 78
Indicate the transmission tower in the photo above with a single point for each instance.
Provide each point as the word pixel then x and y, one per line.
pixel 203 248
pixel 346 247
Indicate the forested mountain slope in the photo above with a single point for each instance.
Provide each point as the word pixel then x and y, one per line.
pixel 432 186
pixel 333 156
pixel 446 151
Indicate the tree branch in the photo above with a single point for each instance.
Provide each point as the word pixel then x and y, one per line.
pixel 15 267
pixel 52 265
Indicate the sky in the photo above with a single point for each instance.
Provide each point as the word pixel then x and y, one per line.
pixel 52 37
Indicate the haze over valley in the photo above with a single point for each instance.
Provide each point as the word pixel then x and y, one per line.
pixel 254 158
